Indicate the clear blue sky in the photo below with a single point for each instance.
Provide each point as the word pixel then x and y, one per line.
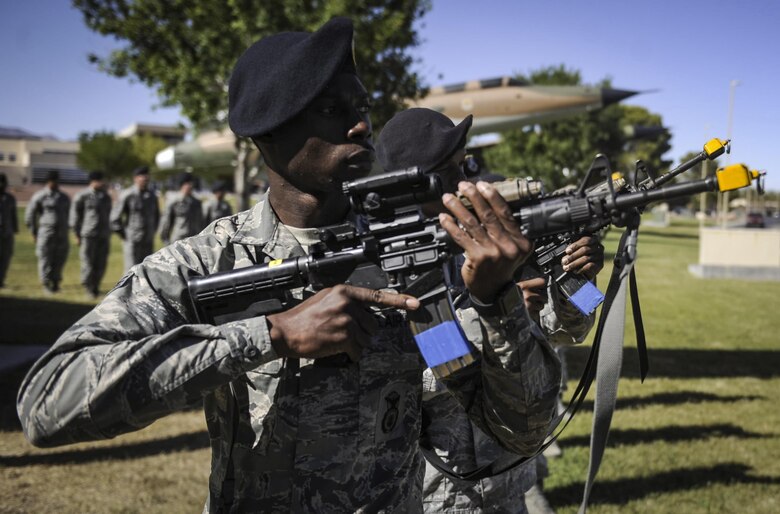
pixel 688 50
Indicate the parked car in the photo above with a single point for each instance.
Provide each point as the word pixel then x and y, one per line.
pixel 755 220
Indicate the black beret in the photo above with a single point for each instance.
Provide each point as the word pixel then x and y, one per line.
pixel 141 170
pixel 281 74
pixel 219 185
pixel 184 178
pixel 95 175
pixel 420 137
pixel 53 176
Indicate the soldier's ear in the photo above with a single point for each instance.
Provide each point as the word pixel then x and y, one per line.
pixel 266 138
pixel 263 141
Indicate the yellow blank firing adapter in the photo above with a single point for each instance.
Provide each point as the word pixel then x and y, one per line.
pixel 736 176
pixel 715 147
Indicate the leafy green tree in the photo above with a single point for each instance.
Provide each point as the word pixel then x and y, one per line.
pixel 146 146
pixel 186 49
pixel 649 149
pixel 103 151
pixel 560 152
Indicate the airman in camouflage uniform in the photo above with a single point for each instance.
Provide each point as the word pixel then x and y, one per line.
pixel 9 226
pixel 135 218
pixel 466 447
pixel 428 139
pixel 47 218
pixel 183 216
pixel 317 408
pixel 217 207
pixel 89 219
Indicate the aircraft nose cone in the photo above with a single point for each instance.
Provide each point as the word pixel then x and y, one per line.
pixel 613 96
pixel 165 158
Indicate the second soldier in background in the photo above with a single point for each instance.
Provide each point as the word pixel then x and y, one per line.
pixel 183 215
pixel 217 207
pixel 135 218
pixel 89 219
pixel 47 218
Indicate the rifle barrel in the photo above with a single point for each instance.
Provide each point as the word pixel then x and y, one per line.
pixel 642 198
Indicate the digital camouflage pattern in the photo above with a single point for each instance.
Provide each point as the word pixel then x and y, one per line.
pixel 286 434
pixel 89 219
pixel 215 209
pixel 47 218
pixel 183 217
pixel 135 218
pixel 466 447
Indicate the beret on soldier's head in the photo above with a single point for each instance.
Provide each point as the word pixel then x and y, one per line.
pixel 141 170
pixel 420 137
pixel 53 176
pixel 95 175
pixel 219 185
pixel 184 178
pixel 278 76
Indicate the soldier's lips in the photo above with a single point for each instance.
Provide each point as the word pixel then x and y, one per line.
pixel 361 160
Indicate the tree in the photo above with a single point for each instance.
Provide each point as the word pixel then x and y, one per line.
pixel 560 152
pixel 649 149
pixel 186 48
pixel 146 146
pixel 102 151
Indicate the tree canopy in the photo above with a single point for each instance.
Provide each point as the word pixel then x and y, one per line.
pixel 186 49
pixel 117 156
pixel 103 151
pixel 560 152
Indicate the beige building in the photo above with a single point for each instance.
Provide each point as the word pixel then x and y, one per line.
pixel 26 158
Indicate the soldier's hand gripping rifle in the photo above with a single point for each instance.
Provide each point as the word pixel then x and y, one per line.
pixel 550 250
pixel 393 245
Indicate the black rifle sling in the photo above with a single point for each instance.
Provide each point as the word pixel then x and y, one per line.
pixel 641 344
pixel 616 284
pixel 610 359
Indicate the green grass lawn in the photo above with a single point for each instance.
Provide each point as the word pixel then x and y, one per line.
pixel 701 435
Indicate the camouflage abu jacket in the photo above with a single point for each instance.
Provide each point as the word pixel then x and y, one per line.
pixel 465 447
pixel 286 435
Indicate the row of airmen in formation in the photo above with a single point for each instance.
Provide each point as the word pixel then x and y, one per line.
pixel 135 218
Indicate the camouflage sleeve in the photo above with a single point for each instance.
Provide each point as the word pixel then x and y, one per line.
pixel 207 219
pixel 31 214
pixel 200 219
pixel 561 321
pixel 156 211
pixel 116 222
pixel 14 220
pixel 76 217
pixel 166 223
pixel 511 394
pixel 137 357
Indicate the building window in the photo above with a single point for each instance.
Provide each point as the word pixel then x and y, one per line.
pixel 11 157
pixel 2 156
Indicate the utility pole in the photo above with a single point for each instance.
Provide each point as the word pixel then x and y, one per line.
pixel 732 87
pixel 703 197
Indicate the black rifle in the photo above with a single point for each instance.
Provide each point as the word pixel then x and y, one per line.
pixel 549 251
pixel 393 245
